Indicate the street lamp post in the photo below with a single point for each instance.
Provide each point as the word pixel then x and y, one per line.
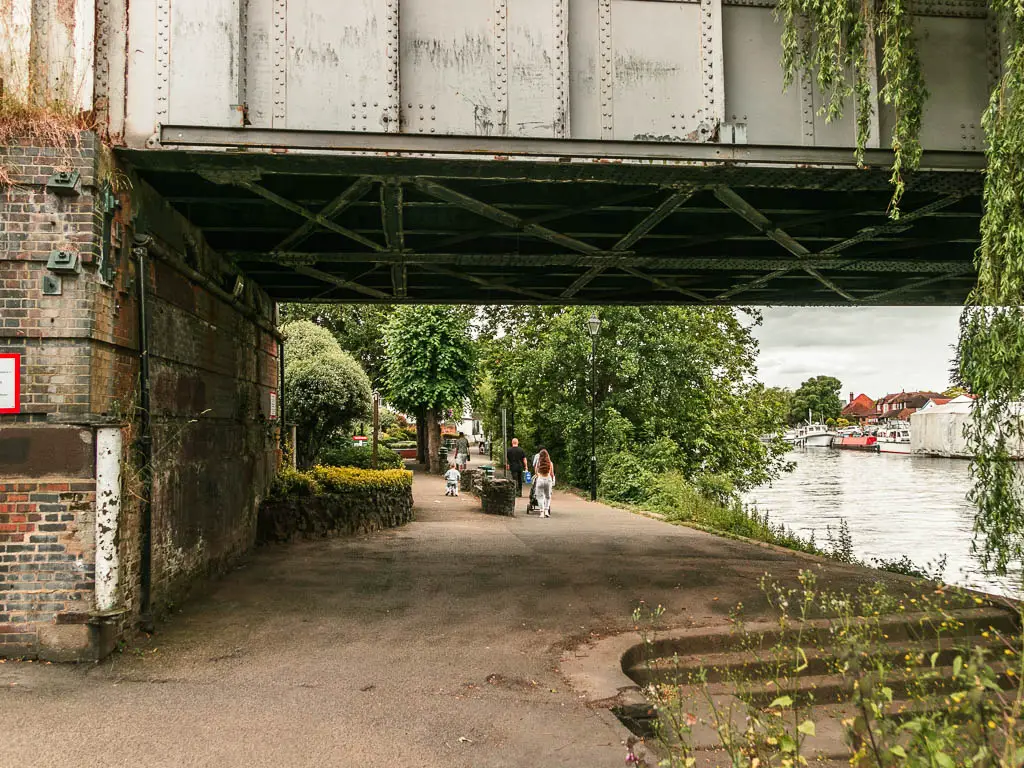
pixel 593 326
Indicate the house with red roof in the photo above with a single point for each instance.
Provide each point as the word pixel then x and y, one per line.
pixel 859 410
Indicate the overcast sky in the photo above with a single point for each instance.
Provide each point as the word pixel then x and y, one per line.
pixel 875 350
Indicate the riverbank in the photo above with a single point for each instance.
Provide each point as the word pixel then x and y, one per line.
pixel 436 644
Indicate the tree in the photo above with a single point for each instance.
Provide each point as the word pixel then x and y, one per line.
pixel 358 328
pixel 675 390
pixel 819 396
pixel 430 365
pixel 325 388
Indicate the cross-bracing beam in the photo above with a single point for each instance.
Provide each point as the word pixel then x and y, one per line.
pixel 355 191
pixel 488 283
pixel 746 211
pixel 641 228
pixel 314 218
pixel 509 220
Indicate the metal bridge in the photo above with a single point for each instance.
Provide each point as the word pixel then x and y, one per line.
pixel 541 151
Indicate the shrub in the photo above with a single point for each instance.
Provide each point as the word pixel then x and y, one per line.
pixel 401 444
pixel 290 482
pixel 304 340
pixel 325 393
pixel 341 479
pixel 321 480
pixel 359 456
pixel 626 478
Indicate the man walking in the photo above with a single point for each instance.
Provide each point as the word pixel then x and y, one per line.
pixel 462 452
pixel 515 462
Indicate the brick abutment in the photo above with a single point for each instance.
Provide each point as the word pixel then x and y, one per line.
pixel 69 293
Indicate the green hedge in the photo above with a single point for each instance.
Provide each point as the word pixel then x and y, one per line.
pixel 320 480
pixel 360 456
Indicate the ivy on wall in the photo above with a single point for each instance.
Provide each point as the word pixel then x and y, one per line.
pixel 831 42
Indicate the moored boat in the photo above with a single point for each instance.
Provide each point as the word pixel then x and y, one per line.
pixel 814 436
pixel 857 443
pixel 894 438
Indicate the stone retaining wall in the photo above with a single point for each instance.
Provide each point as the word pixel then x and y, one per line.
pixel 333 514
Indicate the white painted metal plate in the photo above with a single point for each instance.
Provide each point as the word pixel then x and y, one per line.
pixel 753 78
pixel 584 78
pixel 658 92
pixel 450 66
pixel 205 63
pixel 955 67
pixel 531 48
pixel 336 62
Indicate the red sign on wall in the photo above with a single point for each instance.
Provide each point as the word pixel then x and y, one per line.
pixel 10 383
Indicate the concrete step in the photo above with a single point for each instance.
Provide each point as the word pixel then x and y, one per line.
pixel 749 665
pixel 819 632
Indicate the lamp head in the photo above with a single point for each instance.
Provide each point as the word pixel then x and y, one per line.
pixel 594 324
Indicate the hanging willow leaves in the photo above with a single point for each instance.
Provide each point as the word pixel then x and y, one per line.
pixel 991 349
pixel 832 42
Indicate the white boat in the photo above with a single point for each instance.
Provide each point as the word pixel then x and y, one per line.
pixel 814 436
pixel 894 438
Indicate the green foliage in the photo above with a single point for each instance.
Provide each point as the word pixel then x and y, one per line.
pixel 820 396
pixel 940 699
pixel 675 389
pixel 829 43
pixel 358 329
pixel 320 480
pixel 304 340
pixel 907 567
pixel 360 456
pixel 326 389
pixel 714 508
pixel 290 482
pixel 431 358
pixel 343 479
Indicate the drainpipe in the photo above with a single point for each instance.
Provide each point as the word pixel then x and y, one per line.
pixel 280 395
pixel 144 447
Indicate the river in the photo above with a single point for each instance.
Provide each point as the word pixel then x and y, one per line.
pixel 894 505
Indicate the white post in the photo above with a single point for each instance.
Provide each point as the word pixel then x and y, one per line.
pixel 108 511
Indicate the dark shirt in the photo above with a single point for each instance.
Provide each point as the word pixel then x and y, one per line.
pixel 515 458
pixel 462 445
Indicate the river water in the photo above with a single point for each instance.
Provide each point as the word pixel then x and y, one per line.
pixel 894 505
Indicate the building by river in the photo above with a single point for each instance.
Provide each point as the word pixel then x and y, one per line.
pixel 939 430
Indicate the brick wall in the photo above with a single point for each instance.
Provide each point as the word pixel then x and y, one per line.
pixel 213 366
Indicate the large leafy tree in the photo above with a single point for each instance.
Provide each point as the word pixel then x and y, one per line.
pixel 358 328
pixel 430 365
pixel 325 387
pixel 818 396
pixel 675 385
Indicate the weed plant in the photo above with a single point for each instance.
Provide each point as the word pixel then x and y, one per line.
pixel 906 680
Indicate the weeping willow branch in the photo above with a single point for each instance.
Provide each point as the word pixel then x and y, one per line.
pixel 991 349
pixel 832 42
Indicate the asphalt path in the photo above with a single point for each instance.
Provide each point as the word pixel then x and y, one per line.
pixel 435 644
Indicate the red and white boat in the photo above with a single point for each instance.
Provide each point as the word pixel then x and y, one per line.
pixel 857 443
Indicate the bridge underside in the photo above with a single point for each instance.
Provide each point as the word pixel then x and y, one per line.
pixel 333 217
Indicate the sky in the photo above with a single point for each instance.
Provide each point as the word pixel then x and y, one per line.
pixel 874 350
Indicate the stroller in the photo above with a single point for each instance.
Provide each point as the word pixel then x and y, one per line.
pixel 532 507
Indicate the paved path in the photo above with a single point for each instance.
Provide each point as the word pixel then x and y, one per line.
pixel 437 644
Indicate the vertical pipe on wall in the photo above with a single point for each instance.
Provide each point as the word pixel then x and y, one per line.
pixel 108 513
pixel 144 447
